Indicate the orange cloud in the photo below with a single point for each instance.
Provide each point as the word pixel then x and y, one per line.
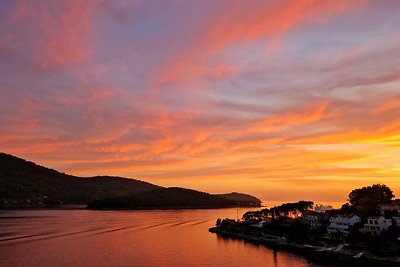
pixel 206 136
pixel 392 104
pixel 299 116
pixel 309 114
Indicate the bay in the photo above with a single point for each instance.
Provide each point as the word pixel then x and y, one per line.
pixel 82 237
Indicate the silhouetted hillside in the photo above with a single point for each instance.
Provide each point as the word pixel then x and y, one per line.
pixel 25 184
pixel 173 197
pixel 242 199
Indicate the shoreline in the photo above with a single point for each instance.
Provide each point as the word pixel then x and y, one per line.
pixel 328 256
pixel 58 207
pixel 84 207
pixel 173 208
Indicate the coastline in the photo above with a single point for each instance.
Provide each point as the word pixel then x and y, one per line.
pixel 44 207
pixel 84 206
pixel 329 256
pixel 172 208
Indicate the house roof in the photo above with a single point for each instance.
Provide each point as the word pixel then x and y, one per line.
pixel 344 216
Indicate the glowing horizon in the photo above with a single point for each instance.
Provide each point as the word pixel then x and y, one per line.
pixel 285 100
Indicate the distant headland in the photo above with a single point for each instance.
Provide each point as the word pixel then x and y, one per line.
pixel 24 184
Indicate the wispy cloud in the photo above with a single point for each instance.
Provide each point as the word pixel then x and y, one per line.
pixel 294 96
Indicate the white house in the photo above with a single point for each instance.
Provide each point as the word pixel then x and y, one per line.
pixel 376 224
pixel 341 224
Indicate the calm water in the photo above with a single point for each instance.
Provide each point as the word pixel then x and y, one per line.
pixel 127 238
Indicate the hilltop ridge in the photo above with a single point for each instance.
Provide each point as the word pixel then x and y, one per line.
pixel 24 184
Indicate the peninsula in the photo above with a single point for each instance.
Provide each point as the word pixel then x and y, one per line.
pixel 363 232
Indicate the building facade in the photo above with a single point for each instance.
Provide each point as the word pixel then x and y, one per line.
pixel 341 224
pixel 376 224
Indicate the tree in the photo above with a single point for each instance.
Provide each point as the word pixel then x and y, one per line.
pixel 303 206
pixel 347 209
pixel 371 196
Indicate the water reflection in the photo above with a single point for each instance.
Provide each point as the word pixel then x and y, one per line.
pixel 128 238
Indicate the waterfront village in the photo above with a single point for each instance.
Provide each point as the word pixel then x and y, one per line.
pixel 366 228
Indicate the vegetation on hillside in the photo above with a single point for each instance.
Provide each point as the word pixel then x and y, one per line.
pixel 25 184
pixel 243 199
pixel 173 197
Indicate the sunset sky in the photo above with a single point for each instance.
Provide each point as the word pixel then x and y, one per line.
pixel 285 100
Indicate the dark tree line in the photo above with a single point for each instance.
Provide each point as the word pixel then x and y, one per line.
pixel 371 196
pixel 280 212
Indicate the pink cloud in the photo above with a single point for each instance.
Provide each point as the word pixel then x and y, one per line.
pixel 239 23
pixel 60 31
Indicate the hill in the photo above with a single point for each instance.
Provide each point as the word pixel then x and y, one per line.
pixel 173 197
pixel 242 199
pixel 25 184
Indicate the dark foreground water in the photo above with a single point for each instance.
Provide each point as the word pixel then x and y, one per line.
pixel 128 238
